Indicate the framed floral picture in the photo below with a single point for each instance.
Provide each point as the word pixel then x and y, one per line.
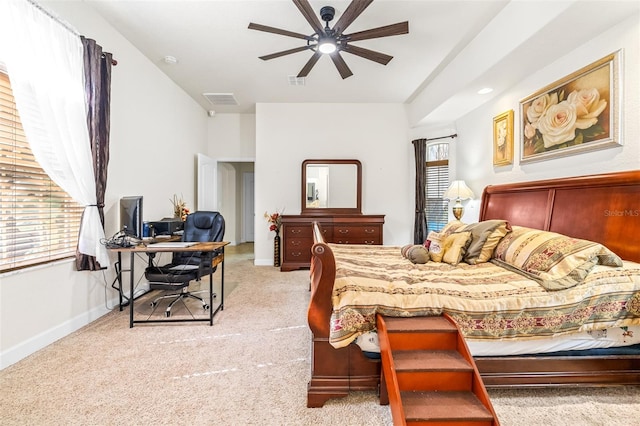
pixel 578 113
pixel 503 139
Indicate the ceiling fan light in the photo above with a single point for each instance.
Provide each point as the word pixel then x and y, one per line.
pixel 327 46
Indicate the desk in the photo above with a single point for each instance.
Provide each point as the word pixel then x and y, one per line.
pixel 150 256
pixel 150 249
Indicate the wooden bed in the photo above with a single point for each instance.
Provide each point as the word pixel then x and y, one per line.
pixel 603 208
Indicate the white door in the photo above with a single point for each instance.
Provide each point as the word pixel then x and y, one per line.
pixel 207 184
pixel 248 202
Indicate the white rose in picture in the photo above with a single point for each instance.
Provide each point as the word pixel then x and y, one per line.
pixel 539 106
pixel 588 106
pixel 558 125
pixel 502 133
pixel 529 131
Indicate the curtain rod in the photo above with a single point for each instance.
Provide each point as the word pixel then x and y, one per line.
pixel 62 22
pixel 455 135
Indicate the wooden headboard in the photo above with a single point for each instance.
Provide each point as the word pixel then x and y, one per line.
pixel 603 208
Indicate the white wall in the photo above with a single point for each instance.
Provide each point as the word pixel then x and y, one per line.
pixel 375 134
pixel 232 136
pixel 156 129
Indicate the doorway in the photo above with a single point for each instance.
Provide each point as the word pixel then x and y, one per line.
pixel 227 186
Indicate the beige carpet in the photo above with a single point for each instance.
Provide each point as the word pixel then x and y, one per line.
pixel 250 368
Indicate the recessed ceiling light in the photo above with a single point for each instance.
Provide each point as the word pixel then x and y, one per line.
pixel 171 60
pixel 485 91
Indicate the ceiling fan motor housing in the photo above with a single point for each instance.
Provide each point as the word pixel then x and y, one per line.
pixel 327 13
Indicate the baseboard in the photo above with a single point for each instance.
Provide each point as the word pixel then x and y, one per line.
pixel 30 346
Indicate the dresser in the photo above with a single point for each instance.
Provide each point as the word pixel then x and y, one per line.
pixel 297 237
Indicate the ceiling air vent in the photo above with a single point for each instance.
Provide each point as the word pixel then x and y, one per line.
pixel 221 98
pixel 296 81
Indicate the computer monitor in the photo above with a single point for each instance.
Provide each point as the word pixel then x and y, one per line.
pixel 131 216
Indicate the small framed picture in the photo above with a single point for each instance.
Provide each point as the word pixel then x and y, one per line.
pixel 503 139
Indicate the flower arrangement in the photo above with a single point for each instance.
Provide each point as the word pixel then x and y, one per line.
pixel 179 208
pixel 553 120
pixel 275 220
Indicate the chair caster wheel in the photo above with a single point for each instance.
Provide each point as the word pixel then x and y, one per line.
pixel 153 304
pixel 205 307
pixel 167 314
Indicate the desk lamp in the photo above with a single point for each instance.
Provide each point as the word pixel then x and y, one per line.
pixel 458 190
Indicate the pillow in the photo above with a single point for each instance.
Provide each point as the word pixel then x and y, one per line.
pixel 452 227
pixel 435 246
pixel 556 261
pixel 418 254
pixel 455 246
pixel 405 249
pixel 485 237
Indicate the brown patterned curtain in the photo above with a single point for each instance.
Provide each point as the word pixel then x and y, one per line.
pixel 97 72
pixel 420 224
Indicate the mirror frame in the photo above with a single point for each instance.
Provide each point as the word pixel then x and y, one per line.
pixel 328 210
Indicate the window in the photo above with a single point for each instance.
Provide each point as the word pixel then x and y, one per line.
pixel 437 181
pixel 39 222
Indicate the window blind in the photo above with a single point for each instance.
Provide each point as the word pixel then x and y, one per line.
pixel 437 182
pixel 39 221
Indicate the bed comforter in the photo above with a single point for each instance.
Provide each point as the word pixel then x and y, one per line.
pixel 487 301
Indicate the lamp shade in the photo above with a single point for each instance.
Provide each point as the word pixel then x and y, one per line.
pixel 458 190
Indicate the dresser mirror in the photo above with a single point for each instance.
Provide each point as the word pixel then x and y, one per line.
pixel 331 187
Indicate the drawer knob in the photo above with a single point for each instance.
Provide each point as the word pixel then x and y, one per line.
pixel 369 230
pixel 295 231
pixel 343 231
pixel 296 243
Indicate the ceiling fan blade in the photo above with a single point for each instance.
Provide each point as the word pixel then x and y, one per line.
pixel 386 31
pixel 309 15
pixel 341 65
pixel 310 63
pixel 371 55
pixel 273 30
pixel 285 52
pixel 355 8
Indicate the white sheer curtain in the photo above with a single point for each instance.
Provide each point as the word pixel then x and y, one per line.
pixel 44 59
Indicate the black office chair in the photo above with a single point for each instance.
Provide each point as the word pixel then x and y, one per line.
pixel 200 226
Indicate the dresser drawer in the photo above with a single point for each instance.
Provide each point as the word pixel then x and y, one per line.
pixel 298 231
pixel 298 243
pixel 297 250
pixel 297 235
pixel 357 234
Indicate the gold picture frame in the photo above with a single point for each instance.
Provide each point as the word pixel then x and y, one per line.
pixel 503 139
pixel 578 113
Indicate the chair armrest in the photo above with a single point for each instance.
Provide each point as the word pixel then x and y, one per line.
pixel 207 262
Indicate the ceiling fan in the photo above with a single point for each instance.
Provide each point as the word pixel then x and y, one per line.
pixel 332 41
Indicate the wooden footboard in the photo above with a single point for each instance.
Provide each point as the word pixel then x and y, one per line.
pixel 334 372
pixel 601 208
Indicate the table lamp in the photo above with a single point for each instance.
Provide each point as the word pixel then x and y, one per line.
pixel 458 190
